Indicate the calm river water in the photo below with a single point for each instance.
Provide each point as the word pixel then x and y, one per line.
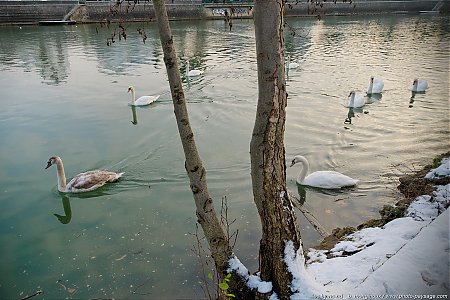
pixel 64 92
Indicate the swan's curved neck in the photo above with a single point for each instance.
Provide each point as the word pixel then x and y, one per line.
pixel 352 101
pixel 133 96
pixel 369 90
pixel 416 83
pixel 187 68
pixel 61 175
pixel 305 167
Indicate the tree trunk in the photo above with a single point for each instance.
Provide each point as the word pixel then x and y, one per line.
pixel 267 152
pixel 207 217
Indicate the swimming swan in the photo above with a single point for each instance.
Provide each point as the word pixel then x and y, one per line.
pixel 144 100
pixel 322 179
pixel 419 85
pixel 292 65
pixel 375 86
pixel 356 100
pixel 192 73
pixel 83 182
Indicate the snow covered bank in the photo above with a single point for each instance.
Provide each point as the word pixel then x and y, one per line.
pixel 407 258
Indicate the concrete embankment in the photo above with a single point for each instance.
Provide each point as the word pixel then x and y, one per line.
pixel 31 12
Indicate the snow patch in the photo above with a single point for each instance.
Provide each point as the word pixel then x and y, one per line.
pixel 253 281
pixel 234 264
pixel 442 171
pixel 316 255
pixel 406 256
pixel 303 284
pixel 426 207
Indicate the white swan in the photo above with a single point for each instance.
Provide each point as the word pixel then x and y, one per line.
pixel 83 182
pixel 141 101
pixel 322 179
pixel 375 86
pixel 292 65
pixel 192 73
pixel 356 100
pixel 419 85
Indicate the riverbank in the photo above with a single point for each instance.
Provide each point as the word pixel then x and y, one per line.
pixel 405 258
pixel 411 186
pixel 405 254
pixel 33 12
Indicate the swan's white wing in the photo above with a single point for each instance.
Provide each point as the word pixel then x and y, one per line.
pixel 329 180
pixel 145 100
pixel 88 181
pixel 422 85
pixel 378 86
pixel 358 102
pixel 193 73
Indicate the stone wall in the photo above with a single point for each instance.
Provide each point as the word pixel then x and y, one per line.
pixel 95 12
pixel 361 7
pixel 31 12
pixel 28 12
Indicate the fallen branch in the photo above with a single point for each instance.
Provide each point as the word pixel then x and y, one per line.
pixel 35 294
pixel 309 216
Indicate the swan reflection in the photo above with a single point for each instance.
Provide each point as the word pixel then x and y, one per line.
pixel 350 115
pixel 411 100
pixel 65 219
pixel 133 112
pixel 374 98
pixel 302 193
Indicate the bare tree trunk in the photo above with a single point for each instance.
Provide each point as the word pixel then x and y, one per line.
pixel 267 152
pixel 207 217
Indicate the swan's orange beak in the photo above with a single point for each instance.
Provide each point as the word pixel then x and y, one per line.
pixel 292 163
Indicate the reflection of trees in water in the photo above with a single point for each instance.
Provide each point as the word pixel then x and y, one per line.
pixel 53 61
pixel 47 50
pixel 37 48
pixel 124 55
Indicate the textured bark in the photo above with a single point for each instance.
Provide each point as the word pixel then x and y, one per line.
pixel 207 217
pixel 267 152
